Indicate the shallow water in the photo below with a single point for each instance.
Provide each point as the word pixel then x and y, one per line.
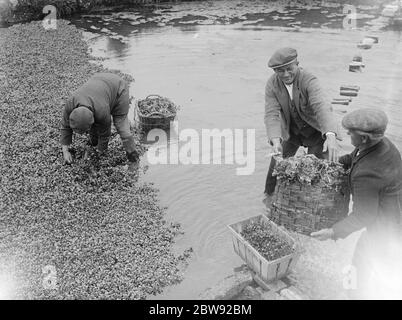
pixel 217 74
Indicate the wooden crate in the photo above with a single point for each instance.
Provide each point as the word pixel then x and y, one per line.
pixel 266 270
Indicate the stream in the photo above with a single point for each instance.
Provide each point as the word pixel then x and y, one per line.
pixel 211 59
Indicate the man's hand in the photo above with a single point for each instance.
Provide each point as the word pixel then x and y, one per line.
pixel 331 145
pixel 102 146
pixel 132 166
pixel 67 155
pixel 86 153
pixel 323 234
pixel 277 146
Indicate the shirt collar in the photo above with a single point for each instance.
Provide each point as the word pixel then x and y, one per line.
pixel 360 154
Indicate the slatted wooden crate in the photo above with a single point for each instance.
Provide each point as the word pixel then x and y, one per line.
pixel 266 270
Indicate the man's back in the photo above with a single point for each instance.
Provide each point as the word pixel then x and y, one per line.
pixel 382 168
pixel 100 92
pixel 104 95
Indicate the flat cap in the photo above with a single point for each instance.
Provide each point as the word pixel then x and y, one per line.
pixel 282 57
pixel 366 121
pixel 81 118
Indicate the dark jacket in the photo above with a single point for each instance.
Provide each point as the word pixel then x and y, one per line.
pixel 309 101
pixel 376 186
pixel 106 94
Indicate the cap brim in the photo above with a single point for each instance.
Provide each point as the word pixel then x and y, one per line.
pixel 370 134
pixel 285 64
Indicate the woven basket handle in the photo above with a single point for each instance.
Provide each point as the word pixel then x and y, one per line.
pixel 156 114
pixel 154 95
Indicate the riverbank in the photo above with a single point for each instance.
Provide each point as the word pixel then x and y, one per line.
pixel 24 11
pixel 12 12
pixel 70 232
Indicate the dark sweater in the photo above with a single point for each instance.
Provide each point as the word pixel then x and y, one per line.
pixel 376 185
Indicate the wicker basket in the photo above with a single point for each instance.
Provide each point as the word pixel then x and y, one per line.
pixel 307 208
pixel 266 270
pixel 155 119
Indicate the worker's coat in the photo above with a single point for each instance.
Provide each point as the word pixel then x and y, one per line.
pixel 376 186
pixel 106 95
pixel 309 101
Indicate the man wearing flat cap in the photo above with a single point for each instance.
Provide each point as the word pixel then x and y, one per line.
pixel 296 113
pixel 90 109
pixel 375 180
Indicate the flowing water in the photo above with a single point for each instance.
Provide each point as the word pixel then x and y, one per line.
pixel 216 72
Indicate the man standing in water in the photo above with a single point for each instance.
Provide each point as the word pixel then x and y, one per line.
pixel 376 184
pixel 296 113
pixel 90 109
